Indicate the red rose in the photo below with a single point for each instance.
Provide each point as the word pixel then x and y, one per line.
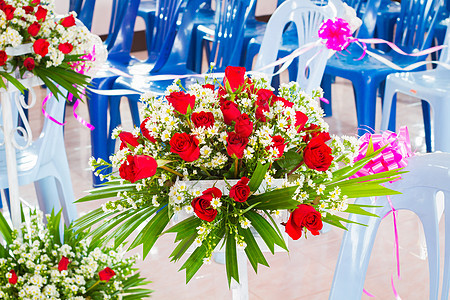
pixel 145 132
pixel 230 111
pixel 40 47
pixel 209 86
pixel 317 154
pixel 300 120
pixel 205 119
pixel 180 101
pixel 240 191
pixel 34 28
pixel 243 126
pixel 236 144
pixel 68 21
pixel 285 102
pixel 13 278
pixel 35 1
pixel 303 216
pixel 278 143
pixel 185 145
pixel 3 57
pixel 41 13
pixel 65 48
pixel 128 139
pixel 215 192
pixel 264 95
pixel 63 263
pixel 28 9
pixel 313 130
pixel 106 274
pixel 259 113
pixel 29 63
pixel 9 12
pixel 262 104
pixel 138 167
pixel 235 76
pixel 202 207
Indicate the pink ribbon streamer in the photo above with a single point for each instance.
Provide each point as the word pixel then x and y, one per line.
pixel 77 117
pixel 46 114
pixel 392 157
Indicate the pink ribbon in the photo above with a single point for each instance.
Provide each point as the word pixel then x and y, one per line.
pixel 46 114
pixel 392 157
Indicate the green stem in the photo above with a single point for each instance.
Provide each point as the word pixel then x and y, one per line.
pixel 92 286
pixel 171 171
pixel 236 167
pixel 204 170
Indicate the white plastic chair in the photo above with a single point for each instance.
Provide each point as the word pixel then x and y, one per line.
pixel 44 162
pixel 432 86
pixel 428 174
pixel 307 18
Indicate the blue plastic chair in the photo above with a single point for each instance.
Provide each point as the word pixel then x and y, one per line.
pixel 147 11
pixel 433 87
pixel 307 18
pixel 414 31
pixel 44 162
pixel 427 175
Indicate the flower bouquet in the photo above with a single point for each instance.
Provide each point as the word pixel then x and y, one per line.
pixel 39 264
pixel 232 158
pixel 34 40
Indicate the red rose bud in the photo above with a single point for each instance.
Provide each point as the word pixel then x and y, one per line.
pixel 28 9
pixel 214 192
pixel 203 209
pixel 138 167
pixel 303 216
pixel 145 132
pixel 230 111
pixel 106 274
pixel 203 119
pixel 3 57
pixel 235 76
pixel 35 1
pixel 40 47
pixel 236 145
pixel 128 139
pixel 186 146
pixel 13 278
pixel 180 101
pixel 240 191
pixel 9 12
pixel 243 126
pixel 278 143
pixel 41 13
pixel 68 21
pixel 317 154
pixel 29 63
pixel 300 120
pixel 65 48
pixel 63 263
pixel 209 86
pixel 34 28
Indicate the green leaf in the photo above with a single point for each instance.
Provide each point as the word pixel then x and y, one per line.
pixel 130 225
pixel 231 258
pixel 290 160
pixel 266 231
pixel 254 253
pixel 258 176
pixel 5 230
pixel 106 192
pixel 148 236
pixel 277 199
pixel 185 228
pixel 182 247
pixel 53 226
pixel 330 219
pixel 357 209
pixel 13 81
pixel 91 218
pixel 108 225
pixel 367 189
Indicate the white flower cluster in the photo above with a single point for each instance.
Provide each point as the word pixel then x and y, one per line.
pixel 36 260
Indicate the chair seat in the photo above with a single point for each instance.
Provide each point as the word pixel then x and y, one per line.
pixel 433 82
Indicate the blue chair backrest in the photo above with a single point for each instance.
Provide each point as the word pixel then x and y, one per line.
pixel 445 55
pixel 228 38
pixel 85 11
pixel 75 5
pixel 415 24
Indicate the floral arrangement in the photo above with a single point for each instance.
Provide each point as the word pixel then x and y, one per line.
pixel 36 264
pixel 225 163
pixel 34 40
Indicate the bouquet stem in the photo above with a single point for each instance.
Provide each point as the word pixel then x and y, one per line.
pixel 171 170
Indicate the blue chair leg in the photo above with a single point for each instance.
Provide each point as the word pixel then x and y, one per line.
pixel 365 100
pixel 326 86
pixel 427 124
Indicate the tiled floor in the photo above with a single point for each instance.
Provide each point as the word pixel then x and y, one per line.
pixel 305 272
